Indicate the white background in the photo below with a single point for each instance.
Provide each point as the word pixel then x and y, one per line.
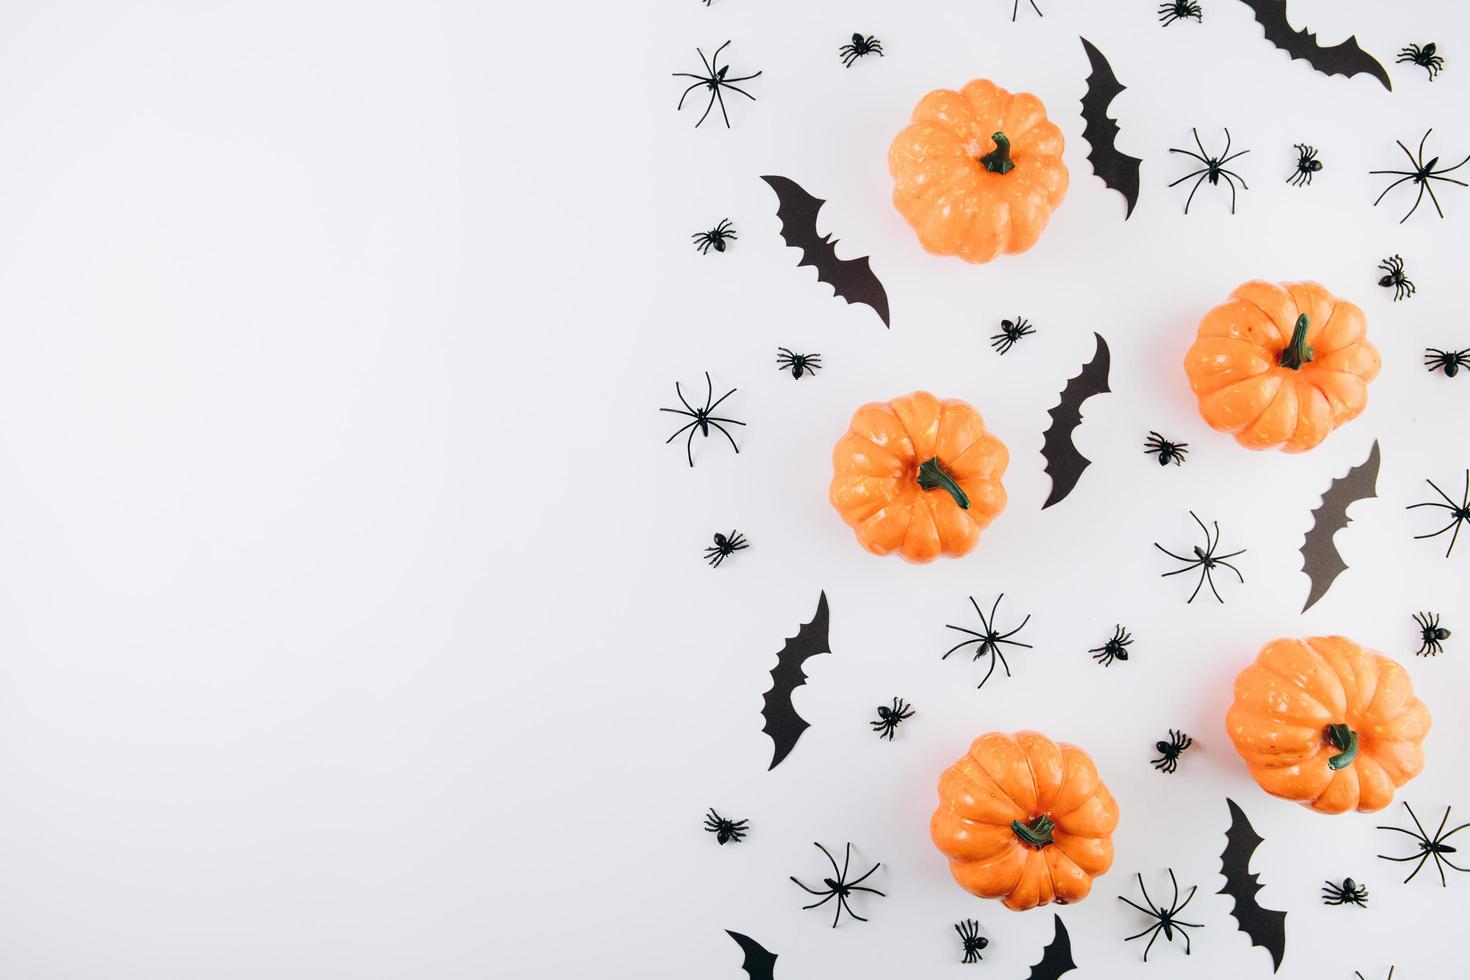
pixel 352 614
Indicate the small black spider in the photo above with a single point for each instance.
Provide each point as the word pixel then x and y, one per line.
pixel 1116 648
pixel 1214 169
pixel 1434 847
pixel 715 238
pixel 1306 165
pixel 1016 8
pixel 1426 57
pixel 888 718
pixel 840 888
pixel 1448 361
pixel 990 641
pixel 1010 332
pixel 798 364
pixel 1166 922
pixel 969 931
pixel 724 547
pixel 1402 286
pixel 1204 559
pixel 702 418
pixel 714 79
pixel 1168 761
pixel 860 46
pixel 1180 10
pixel 1168 452
pixel 1351 893
pixel 1459 513
pixel 726 831
pixel 1431 634
pixel 1422 174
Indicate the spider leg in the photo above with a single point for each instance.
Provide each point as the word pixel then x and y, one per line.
pixel 1232 568
pixel 846 860
pixel 1017 629
pixel 1002 657
pixel 708 108
pixel 1157 929
pixel 1187 176
pixel 1448 169
pixel 1174 556
pixel 1186 938
pixel 1140 908
pixel 993 608
pixel 852 913
pixel 1453 538
pixel 689 446
pixel 812 891
pixel 1426 186
pixel 1391 187
pixel 988 672
pixel 721 99
pixel 677 434
pixel 957 646
pixel 1187 899
pixel 727 435
pixel 854 884
pixel 686 93
pixel 1226 175
pixel 1211 579
pixel 1226 159
pixel 1201 146
pixel 1417 200
pixel 1191 193
pixel 830 859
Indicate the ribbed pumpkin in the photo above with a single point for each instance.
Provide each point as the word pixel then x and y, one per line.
pixel 1024 819
pixel 1328 724
pixel 919 476
pixel 1281 366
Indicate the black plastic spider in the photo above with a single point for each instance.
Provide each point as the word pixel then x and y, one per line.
pixel 1204 559
pixel 1422 174
pixel 1431 634
pixel 1448 361
pixel 726 831
pixel 1213 170
pixel 969 931
pixel 1016 8
pixel 1434 847
pixel 1306 165
pixel 1426 57
pixel 724 547
pixel 1168 452
pixel 888 718
pixel 1459 513
pixel 840 888
pixel 1166 922
pixel 1402 286
pixel 860 46
pixel 1010 332
pixel 990 641
pixel 1351 893
pixel 702 418
pixel 798 364
pixel 1115 649
pixel 714 79
pixel 1168 761
pixel 715 238
pixel 1180 10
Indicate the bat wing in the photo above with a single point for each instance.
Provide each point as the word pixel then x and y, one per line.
pixel 850 279
pixel 1117 170
pixel 1265 927
pixel 1320 558
pixel 1339 59
pixel 1064 464
pixel 760 963
pixel 783 724
pixel 1056 959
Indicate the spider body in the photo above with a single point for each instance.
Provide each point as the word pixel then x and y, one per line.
pixel 991 640
pixel 798 364
pixel 889 718
pixel 1168 452
pixel 1010 332
pixel 860 47
pixel 1422 174
pixel 1431 634
pixel 726 831
pixel 1306 165
pixel 703 419
pixel 1351 893
pixel 839 887
pixel 1459 513
pixel 1426 57
pixel 1169 751
pixel 1402 286
pixel 724 547
pixel 1213 170
pixel 1116 648
pixel 1180 10
pixel 1429 847
pixel 969 931
pixel 1204 559
pixel 1166 922
pixel 716 238
pixel 1448 361
pixel 714 79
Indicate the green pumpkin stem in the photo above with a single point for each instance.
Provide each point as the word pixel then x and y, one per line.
pixel 1344 738
pixel 933 477
pixel 1298 352
pixel 1037 833
pixel 998 160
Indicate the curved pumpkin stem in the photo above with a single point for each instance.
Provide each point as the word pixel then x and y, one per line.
pixel 1298 352
pixel 998 160
pixel 1037 833
pixel 933 477
pixel 1346 740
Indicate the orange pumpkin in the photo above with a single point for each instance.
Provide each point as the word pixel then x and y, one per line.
pixel 1327 723
pixel 919 476
pixel 978 172
pixel 1281 366
pixel 1025 819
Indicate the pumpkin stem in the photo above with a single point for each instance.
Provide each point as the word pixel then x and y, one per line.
pixel 1037 833
pixel 998 160
pixel 933 477
pixel 1344 738
pixel 1298 352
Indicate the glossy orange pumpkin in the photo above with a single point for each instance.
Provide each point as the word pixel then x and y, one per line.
pixel 978 172
pixel 919 476
pixel 1281 366
pixel 1327 723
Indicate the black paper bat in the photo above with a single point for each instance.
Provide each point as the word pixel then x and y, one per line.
pixel 1117 170
pixel 851 279
pixel 760 962
pixel 1056 959
pixel 1320 558
pixel 1265 927
pixel 1063 462
pixel 1340 59
pixel 783 724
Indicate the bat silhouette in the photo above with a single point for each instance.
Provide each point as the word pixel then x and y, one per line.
pixel 1320 558
pixel 851 279
pixel 1063 462
pixel 1339 59
pixel 760 963
pixel 783 724
pixel 1056 959
pixel 1265 927
pixel 1117 170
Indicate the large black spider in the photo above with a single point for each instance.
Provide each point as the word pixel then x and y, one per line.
pixel 1168 452
pixel 702 418
pixel 969 931
pixel 990 641
pixel 1168 759
pixel 1016 8
pixel 714 79
pixel 860 46
pixel 1426 57
pixel 1351 893
pixel 1402 286
pixel 798 364
pixel 888 718
pixel 724 547
pixel 715 238
pixel 725 830
pixel 1448 361
pixel 1204 559
pixel 1010 332
pixel 1116 648
pixel 1180 10
pixel 1434 847
pixel 1422 174
pixel 840 888
pixel 1306 165
pixel 1214 169
pixel 1165 915
pixel 1431 634
pixel 1459 513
